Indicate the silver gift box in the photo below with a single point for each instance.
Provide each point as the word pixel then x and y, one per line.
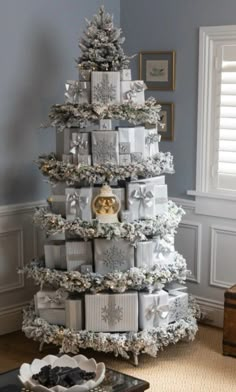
pixel 77 92
pixel 78 203
pixel 105 147
pixel 126 140
pixel 105 88
pixel 125 74
pixel 144 254
pixel 124 159
pixel 132 91
pixel 55 255
pixel 57 204
pixel 84 159
pixel 78 253
pixel 53 316
pixel 178 306
pixel 153 310
pixel 68 137
pixel 105 125
pixel 84 75
pixel 51 299
pixel 74 314
pixel 67 158
pixel 80 145
pixel 141 200
pixel 175 286
pixel 159 180
pixel 111 312
pixel 161 199
pixel 113 255
pixel 152 140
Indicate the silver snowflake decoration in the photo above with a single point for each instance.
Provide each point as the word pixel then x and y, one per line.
pixel 112 314
pixel 114 258
pixel 104 92
pixel 104 151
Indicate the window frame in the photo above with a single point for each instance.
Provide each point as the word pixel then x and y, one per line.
pixel 209 38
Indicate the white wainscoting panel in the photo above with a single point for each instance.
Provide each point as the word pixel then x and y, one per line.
pixel 188 243
pixel 223 256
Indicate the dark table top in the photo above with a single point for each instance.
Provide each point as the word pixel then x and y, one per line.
pixel 114 382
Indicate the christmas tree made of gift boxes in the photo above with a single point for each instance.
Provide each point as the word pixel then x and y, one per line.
pixel 110 278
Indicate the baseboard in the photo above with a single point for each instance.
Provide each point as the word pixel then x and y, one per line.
pixel 212 312
pixel 11 318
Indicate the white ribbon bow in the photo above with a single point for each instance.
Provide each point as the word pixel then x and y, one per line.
pixel 76 203
pixel 157 311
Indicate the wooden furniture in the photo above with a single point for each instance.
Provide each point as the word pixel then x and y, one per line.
pixel 229 334
pixel 114 381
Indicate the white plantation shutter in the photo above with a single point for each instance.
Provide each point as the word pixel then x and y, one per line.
pixel 224 155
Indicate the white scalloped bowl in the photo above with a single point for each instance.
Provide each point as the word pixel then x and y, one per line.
pixel 28 370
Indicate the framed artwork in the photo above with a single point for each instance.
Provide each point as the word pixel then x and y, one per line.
pixel 157 69
pixel 167 119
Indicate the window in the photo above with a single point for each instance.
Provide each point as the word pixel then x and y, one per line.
pixel 216 148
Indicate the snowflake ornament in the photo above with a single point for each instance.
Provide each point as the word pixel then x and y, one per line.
pixel 112 314
pixel 104 92
pixel 114 258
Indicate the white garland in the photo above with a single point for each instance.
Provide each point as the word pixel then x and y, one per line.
pixel 77 115
pixel 59 171
pixel 164 226
pixel 133 279
pixel 146 341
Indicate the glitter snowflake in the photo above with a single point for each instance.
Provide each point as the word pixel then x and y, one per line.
pixel 104 92
pixel 114 258
pixel 105 151
pixel 112 314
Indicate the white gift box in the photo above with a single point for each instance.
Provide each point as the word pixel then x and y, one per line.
pixel 161 199
pixel 111 312
pixel 163 252
pixel 77 254
pixel 153 310
pixel 113 255
pixel 105 125
pixel 57 204
pixel 51 299
pixel 140 134
pixel 53 316
pixel 132 91
pixel 80 145
pixel 175 286
pixel 136 157
pixel 105 147
pixel 74 314
pixel 78 203
pixel 78 91
pixel 55 255
pixel 125 74
pixel 141 200
pixel 178 306
pixel 124 159
pixel 152 140
pixel 144 254
pixel 105 88
pixel 84 159
pixel 126 140
pixel 159 180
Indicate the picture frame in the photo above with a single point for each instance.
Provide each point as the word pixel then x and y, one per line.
pixel 167 118
pixel 157 69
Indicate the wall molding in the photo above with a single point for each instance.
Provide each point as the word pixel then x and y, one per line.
pixel 19 262
pixel 212 311
pixel 11 318
pixel 197 227
pixel 215 230
pixel 21 208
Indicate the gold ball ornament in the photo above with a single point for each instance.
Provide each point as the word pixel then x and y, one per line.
pixel 106 205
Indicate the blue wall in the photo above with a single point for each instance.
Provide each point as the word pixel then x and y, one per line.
pixel 174 25
pixel 38 44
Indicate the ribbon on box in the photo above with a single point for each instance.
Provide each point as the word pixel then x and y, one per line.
pixel 150 140
pixel 78 143
pixel 144 197
pixel 73 90
pixel 156 311
pixel 135 88
pixel 57 298
pixel 76 203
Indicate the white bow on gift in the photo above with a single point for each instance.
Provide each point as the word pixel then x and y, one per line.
pixel 78 142
pixel 144 197
pixel 135 88
pixel 157 311
pixel 76 203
